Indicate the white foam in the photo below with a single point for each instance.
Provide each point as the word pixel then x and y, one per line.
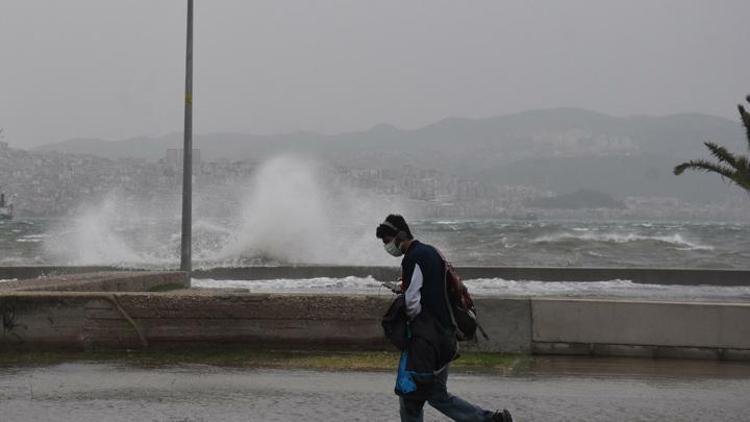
pixel 494 287
pixel 32 238
pixel 610 288
pixel 327 285
pixel 674 239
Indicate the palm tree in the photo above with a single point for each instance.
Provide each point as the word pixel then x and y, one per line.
pixel 733 167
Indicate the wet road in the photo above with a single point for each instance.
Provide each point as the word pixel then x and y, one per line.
pixel 551 390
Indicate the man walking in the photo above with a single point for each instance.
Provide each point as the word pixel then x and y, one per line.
pixel 433 337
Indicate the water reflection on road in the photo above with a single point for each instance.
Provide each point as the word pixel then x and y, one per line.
pixel 552 389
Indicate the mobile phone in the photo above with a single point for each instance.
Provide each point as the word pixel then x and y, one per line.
pixel 392 286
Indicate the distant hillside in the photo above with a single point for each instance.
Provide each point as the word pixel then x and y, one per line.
pixel 541 133
pixel 562 150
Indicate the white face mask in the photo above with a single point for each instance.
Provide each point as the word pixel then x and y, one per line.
pixel 392 249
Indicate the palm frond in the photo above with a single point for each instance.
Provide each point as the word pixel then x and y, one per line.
pixel 743 165
pixel 705 166
pixel 745 121
pixel 735 168
pixel 743 172
pixel 721 154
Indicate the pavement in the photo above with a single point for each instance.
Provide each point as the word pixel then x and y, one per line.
pixel 551 389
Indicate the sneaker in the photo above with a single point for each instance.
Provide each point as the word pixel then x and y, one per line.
pixel 503 416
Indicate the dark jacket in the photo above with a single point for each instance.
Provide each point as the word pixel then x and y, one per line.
pixel 431 293
pixel 431 342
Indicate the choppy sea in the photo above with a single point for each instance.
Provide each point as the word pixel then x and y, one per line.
pixel 155 244
pixel 476 243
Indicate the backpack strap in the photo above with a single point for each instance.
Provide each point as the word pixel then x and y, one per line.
pixel 448 301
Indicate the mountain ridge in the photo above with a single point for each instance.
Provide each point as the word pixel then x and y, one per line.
pixel 558 149
pixel 448 122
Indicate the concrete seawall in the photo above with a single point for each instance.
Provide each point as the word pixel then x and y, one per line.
pixel 124 310
pixel 112 281
pixel 631 328
pixel 89 320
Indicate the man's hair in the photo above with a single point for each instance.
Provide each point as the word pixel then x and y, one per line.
pixel 394 226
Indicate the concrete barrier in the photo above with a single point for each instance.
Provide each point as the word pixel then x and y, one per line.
pixel 116 310
pixel 27 272
pixel 89 320
pixel 112 281
pixel 86 321
pixel 625 327
pixel 46 321
pixel 507 323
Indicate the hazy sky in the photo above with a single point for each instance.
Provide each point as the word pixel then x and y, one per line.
pixel 115 69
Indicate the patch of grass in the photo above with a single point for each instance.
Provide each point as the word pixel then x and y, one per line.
pixel 243 357
pixel 166 287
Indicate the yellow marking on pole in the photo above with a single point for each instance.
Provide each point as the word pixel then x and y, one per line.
pixel 188 99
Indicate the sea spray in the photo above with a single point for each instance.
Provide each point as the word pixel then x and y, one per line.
pixel 295 212
pixel 92 238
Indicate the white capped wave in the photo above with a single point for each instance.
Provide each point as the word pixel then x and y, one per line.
pixel 610 288
pixel 328 285
pixel 494 287
pixel 674 239
pixel 36 236
pixel 32 238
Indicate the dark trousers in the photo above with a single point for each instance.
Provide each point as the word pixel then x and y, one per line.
pixel 451 406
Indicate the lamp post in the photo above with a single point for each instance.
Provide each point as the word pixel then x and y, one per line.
pixel 187 152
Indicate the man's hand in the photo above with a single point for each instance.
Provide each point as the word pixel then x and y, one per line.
pixel 394 287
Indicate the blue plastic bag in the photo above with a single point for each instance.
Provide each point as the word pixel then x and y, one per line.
pixel 404 379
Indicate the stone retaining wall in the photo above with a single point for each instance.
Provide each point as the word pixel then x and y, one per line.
pixel 116 310
pixel 104 281
pixel 88 320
